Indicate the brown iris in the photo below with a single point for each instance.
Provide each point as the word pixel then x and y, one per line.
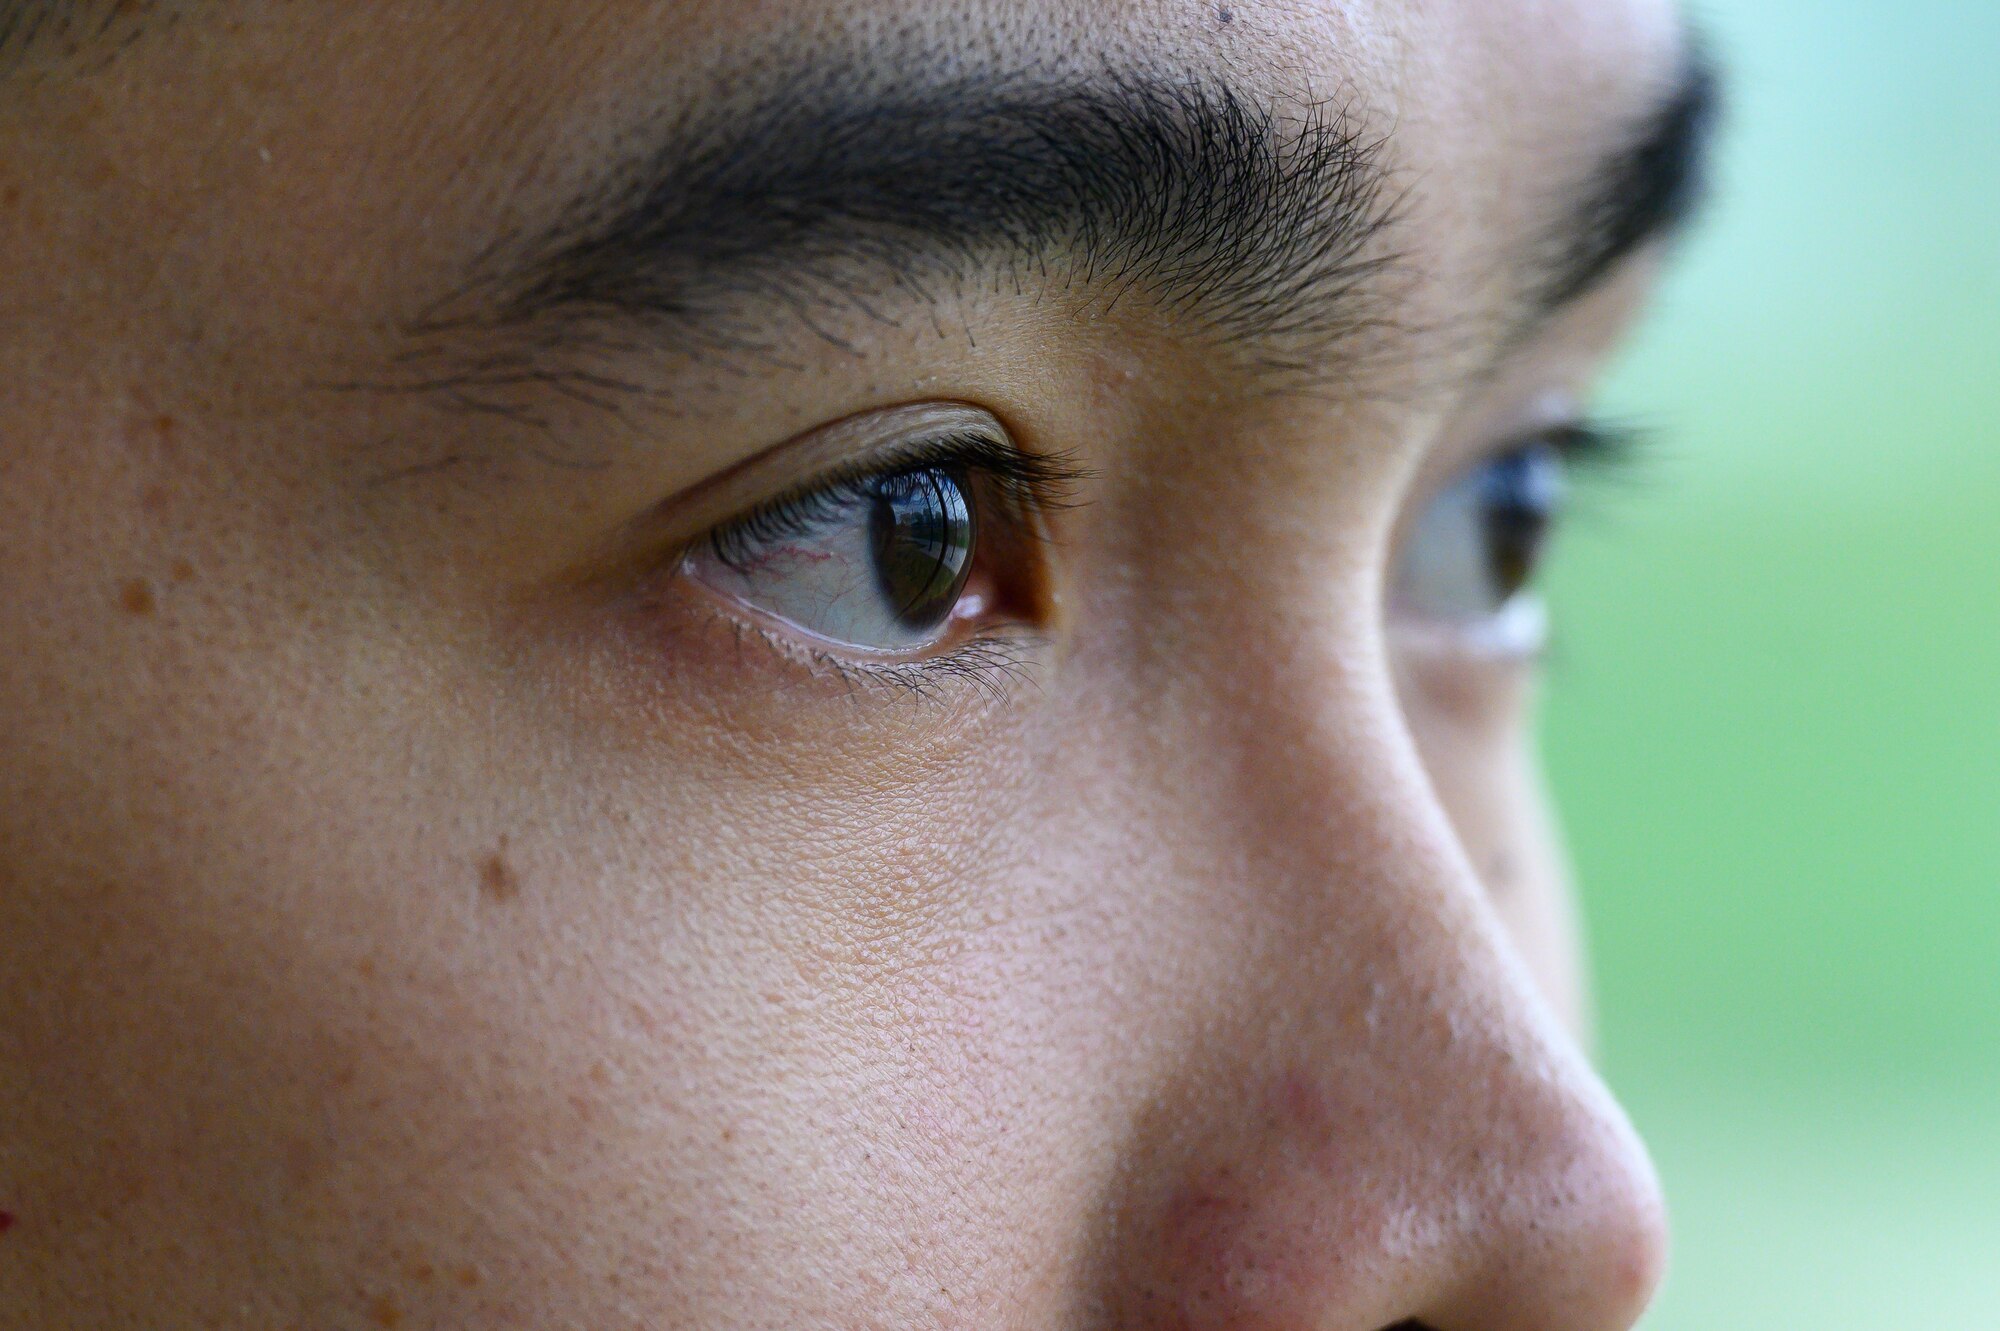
pixel 1520 495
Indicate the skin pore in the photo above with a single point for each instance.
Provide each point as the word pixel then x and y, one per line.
pixel 436 893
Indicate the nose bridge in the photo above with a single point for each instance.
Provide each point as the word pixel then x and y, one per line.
pixel 1383 1123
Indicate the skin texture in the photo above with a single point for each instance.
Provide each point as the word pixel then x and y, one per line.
pixel 415 912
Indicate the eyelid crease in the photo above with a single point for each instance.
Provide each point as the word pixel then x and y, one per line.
pixel 853 445
pixel 1030 484
pixel 856 444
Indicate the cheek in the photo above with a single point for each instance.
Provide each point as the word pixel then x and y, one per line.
pixel 513 1051
pixel 1471 723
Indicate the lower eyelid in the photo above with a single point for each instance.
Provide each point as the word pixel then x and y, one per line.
pixel 1517 632
pixel 991 665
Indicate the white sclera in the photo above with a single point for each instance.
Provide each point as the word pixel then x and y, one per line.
pixel 825 581
pixel 1446 576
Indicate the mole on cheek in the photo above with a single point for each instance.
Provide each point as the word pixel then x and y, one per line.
pixel 136 597
pixel 6 1221
pixel 497 879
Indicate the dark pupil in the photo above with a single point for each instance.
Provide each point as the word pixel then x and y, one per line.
pixel 1519 499
pixel 921 529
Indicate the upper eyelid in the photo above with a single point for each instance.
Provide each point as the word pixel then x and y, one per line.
pixel 1034 481
pixel 1583 438
pixel 1579 435
pixel 666 528
pixel 851 447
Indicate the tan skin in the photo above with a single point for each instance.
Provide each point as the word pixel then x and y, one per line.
pixel 422 905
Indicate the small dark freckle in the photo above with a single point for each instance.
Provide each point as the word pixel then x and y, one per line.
pixel 600 1074
pixel 163 425
pixel 153 498
pixel 466 1276
pixel 136 598
pixel 365 968
pixel 7 1219
pixel 423 1272
pixel 729 1134
pixel 384 1312
pixel 180 570
pixel 497 879
pixel 10 197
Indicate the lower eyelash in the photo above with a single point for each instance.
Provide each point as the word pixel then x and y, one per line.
pixel 997 666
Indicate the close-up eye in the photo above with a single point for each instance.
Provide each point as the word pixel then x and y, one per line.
pixel 904 555
pixel 1468 562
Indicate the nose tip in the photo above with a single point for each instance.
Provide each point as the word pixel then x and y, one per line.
pixel 1565 1227
pixel 1522 1201
pixel 1574 1230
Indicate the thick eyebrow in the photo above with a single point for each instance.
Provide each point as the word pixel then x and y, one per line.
pixel 1251 223
pixel 1646 187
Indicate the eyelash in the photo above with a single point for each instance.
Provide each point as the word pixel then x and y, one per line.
pixel 1597 447
pixel 1027 486
pixel 995 666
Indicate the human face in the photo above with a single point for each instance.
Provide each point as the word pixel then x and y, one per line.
pixel 776 665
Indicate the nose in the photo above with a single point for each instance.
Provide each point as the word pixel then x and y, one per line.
pixel 1381 1124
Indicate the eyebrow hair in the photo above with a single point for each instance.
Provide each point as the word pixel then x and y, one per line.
pixel 84 36
pixel 1253 225
pixel 1644 188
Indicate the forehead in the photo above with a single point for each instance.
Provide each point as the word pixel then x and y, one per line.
pixel 1461 86
pixel 1481 91
pixel 390 146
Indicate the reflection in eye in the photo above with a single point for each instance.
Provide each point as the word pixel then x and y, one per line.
pixel 1470 557
pixel 883 560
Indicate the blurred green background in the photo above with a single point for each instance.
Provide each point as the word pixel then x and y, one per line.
pixel 1773 719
